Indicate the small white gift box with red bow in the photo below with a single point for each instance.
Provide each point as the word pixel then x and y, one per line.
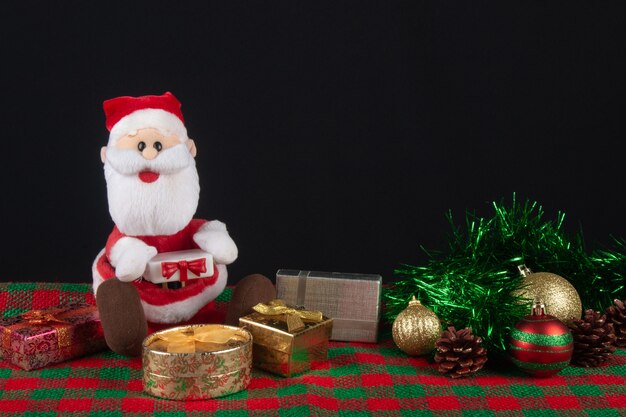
pixel 180 266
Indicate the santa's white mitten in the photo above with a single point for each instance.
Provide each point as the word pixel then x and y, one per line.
pixel 213 238
pixel 129 256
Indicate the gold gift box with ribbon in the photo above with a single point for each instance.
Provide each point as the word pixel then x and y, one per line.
pixel 287 340
pixel 197 362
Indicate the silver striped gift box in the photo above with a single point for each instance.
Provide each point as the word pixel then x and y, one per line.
pixel 351 300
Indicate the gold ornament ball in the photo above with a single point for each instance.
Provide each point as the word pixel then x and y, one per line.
pixel 560 297
pixel 416 329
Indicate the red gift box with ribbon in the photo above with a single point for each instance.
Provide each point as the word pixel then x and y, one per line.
pixel 179 266
pixel 39 338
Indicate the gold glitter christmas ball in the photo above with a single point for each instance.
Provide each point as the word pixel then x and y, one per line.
pixel 416 329
pixel 560 297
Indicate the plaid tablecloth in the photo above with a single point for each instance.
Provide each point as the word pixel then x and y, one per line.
pixel 358 380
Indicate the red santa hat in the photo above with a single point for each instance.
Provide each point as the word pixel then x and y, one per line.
pixel 127 114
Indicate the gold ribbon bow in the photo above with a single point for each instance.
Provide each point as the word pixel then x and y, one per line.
pixel 44 316
pixel 179 342
pixel 293 317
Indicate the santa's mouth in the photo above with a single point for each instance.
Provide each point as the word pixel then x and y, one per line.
pixel 148 176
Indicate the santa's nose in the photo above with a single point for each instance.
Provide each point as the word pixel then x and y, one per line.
pixel 149 150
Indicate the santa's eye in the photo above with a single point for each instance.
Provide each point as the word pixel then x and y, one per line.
pixel 158 146
pixel 141 146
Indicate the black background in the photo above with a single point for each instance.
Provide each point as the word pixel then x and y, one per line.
pixel 331 135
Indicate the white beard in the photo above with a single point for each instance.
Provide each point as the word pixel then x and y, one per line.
pixel 163 207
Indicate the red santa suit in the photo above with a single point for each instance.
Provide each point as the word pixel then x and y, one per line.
pixel 153 295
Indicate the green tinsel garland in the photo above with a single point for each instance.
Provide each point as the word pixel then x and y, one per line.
pixel 470 284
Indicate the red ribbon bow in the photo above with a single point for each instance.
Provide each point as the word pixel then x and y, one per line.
pixel 197 266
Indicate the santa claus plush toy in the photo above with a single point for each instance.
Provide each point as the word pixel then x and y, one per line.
pixel 153 190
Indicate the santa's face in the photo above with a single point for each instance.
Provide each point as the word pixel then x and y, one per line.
pixel 152 182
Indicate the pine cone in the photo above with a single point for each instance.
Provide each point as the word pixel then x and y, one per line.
pixel 459 353
pixel 594 339
pixel 616 314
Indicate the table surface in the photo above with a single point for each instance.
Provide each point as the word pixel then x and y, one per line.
pixel 359 379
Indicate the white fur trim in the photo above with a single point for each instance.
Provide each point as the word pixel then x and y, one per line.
pixel 148 118
pixel 186 309
pixel 97 278
pixel 213 237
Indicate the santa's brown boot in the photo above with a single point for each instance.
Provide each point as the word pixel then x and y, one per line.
pixel 123 320
pixel 248 292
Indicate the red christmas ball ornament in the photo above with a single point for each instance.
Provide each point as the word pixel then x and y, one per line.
pixel 541 344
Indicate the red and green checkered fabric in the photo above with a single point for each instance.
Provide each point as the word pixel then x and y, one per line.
pixel 358 379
